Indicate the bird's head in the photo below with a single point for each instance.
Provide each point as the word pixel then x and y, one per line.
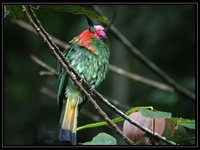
pixel 84 39
pixel 99 31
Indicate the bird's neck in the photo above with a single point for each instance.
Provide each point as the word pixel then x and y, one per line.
pixel 85 40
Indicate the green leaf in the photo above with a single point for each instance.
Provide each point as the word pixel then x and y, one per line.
pixel 14 11
pixel 185 122
pixel 180 131
pixel 116 120
pixel 154 114
pixel 169 127
pixel 182 140
pixel 76 10
pixel 102 139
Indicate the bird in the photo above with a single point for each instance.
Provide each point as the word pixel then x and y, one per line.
pixel 89 55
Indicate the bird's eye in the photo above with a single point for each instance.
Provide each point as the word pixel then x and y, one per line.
pixel 101 34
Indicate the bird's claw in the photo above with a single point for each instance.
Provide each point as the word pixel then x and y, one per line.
pixel 91 89
pixel 82 79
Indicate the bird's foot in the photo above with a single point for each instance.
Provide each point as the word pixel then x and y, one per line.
pixel 91 89
pixel 82 79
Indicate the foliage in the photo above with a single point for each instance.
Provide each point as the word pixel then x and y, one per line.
pixel 154 114
pixel 76 10
pixel 15 11
pixel 185 122
pixel 102 139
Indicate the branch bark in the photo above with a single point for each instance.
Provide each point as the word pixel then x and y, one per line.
pixel 141 79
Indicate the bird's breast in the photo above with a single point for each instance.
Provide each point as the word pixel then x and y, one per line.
pixel 92 67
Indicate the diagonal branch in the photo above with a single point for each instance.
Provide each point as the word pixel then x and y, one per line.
pixel 31 29
pixel 148 62
pixel 60 58
pixel 141 79
pixel 50 70
pixel 112 19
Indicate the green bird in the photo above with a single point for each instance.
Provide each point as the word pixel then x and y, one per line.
pixel 89 56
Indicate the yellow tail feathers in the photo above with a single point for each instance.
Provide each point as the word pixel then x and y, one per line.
pixel 69 120
pixel 70 115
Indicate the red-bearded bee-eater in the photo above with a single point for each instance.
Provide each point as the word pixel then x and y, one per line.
pixel 89 56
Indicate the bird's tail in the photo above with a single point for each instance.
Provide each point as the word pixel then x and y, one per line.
pixel 68 120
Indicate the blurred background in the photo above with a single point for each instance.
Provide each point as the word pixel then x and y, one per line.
pixel 166 34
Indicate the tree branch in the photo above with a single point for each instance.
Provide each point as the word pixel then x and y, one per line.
pixel 90 24
pixel 181 90
pixel 112 19
pixel 31 29
pixel 50 70
pixel 48 92
pixel 60 58
pixel 141 79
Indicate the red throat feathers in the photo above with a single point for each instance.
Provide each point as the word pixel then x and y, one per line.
pixel 84 39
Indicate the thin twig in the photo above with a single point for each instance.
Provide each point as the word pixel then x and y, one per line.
pixel 30 28
pixel 50 70
pixel 118 104
pixel 48 92
pixel 60 58
pixel 137 53
pixel 46 73
pixel 56 52
pixel 112 20
pixel 90 115
pixel 141 79
pixel 113 68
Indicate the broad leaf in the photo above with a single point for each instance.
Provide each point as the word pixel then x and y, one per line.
pixel 169 127
pixel 76 10
pixel 154 114
pixel 182 140
pixel 14 11
pixel 102 139
pixel 185 122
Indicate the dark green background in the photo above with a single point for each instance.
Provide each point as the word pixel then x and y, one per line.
pixel 166 34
